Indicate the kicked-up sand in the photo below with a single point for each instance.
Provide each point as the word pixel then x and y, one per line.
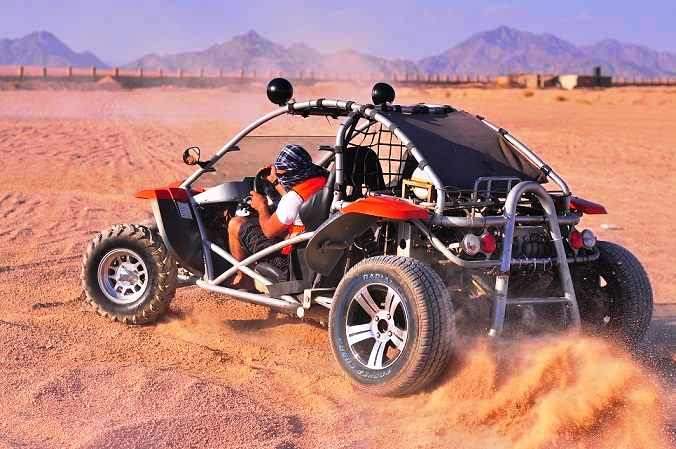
pixel 219 373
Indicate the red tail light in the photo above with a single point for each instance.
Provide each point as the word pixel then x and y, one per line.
pixel 488 243
pixel 575 239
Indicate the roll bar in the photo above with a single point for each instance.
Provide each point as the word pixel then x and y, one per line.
pixel 355 111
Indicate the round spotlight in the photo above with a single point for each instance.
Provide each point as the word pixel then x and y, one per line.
pixel 471 244
pixel 382 93
pixel 280 91
pixel 588 239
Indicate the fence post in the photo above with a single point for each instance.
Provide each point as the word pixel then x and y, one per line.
pixel 140 72
pixel 220 73
pixel 161 74
pixel 44 72
pixel 202 72
pixel 21 71
pixel 70 71
pixel 94 72
pixel 116 72
pixel 180 74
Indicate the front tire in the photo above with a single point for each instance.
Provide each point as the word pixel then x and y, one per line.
pixel 128 275
pixel 614 295
pixel 391 325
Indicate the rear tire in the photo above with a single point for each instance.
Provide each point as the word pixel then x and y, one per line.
pixel 128 275
pixel 391 325
pixel 614 295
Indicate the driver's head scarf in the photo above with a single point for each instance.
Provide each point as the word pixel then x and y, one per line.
pixel 297 165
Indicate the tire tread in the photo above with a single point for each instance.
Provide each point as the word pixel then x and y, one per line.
pixel 436 326
pixel 165 267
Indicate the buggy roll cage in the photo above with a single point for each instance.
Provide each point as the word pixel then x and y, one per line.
pixel 354 112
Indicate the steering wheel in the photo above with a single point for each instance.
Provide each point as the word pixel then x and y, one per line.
pixel 266 188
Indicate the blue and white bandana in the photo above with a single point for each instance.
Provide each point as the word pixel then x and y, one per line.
pixel 297 164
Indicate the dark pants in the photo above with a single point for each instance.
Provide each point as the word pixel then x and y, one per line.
pixel 253 240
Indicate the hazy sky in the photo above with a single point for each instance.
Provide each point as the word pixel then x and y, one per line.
pixel 122 30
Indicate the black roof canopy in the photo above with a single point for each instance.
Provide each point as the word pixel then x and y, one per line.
pixel 460 148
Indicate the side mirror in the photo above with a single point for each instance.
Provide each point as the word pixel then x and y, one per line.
pixel 280 91
pixel 191 156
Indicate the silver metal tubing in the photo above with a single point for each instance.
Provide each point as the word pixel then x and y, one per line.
pixel 526 301
pixel 497 221
pixel 340 144
pixel 547 261
pixel 260 254
pixel 475 264
pixel 403 138
pixel 555 233
pixel 253 298
pixel 246 270
pixel 534 262
pixel 499 305
pixel 531 156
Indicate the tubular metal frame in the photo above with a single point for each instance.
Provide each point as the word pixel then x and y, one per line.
pixel 354 113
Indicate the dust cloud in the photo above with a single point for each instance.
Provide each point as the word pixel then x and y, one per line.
pixel 558 392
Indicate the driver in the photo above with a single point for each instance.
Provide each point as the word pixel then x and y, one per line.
pixel 296 178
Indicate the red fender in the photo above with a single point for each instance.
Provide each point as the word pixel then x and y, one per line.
pixel 586 206
pixel 172 192
pixel 387 207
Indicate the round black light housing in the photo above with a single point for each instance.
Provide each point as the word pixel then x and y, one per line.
pixel 280 91
pixel 382 93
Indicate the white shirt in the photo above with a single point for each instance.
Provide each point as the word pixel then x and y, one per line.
pixel 288 209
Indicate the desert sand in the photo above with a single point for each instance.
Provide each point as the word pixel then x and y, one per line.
pixel 219 373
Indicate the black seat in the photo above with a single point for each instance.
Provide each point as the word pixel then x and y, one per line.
pixel 315 210
pixel 362 172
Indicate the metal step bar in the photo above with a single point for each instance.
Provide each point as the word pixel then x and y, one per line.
pixel 500 300
pixel 255 298
pixel 527 301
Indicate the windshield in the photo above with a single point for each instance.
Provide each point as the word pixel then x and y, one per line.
pixel 257 152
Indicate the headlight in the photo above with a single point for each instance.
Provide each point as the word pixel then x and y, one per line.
pixel 588 239
pixel 471 244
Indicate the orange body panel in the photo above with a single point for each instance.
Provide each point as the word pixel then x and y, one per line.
pixel 166 193
pixel 387 207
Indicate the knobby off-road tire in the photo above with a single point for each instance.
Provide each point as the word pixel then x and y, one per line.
pixel 614 295
pixel 128 274
pixel 390 294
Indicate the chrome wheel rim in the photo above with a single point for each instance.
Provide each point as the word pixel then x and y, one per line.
pixel 123 276
pixel 376 326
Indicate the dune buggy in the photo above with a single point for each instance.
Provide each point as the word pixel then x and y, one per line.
pixel 431 219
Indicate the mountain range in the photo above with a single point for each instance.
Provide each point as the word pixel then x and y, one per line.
pixel 499 51
pixel 43 48
pixel 253 52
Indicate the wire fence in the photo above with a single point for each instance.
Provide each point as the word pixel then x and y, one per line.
pixel 141 76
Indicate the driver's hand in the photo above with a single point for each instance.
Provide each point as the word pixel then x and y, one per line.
pixel 258 201
pixel 272 177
